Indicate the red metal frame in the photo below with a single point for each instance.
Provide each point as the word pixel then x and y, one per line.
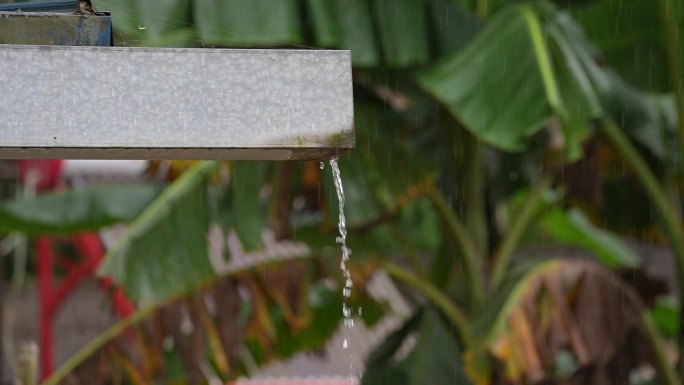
pixel 52 292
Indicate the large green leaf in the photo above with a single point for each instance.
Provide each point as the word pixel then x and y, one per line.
pixel 157 18
pixel 247 180
pixel 401 26
pixel 649 119
pixel 165 252
pixel 143 20
pixel 629 34
pixel 248 23
pixel 570 227
pixel 435 359
pixel 579 98
pixel 83 209
pixel 184 37
pixel 325 22
pixel 665 313
pixel 494 86
pixel 573 228
pixel 356 30
pixel 508 82
pixel 452 26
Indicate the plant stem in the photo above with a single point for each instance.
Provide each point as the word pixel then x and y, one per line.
pixel 95 344
pixel 474 177
pixel 481 8
pixel 525 218
pixel 475 216
pixel 674 64
pixel 27 364
pixel 667 374
pixel 409 249
pixel 432 293
pixel 465 243
pixel 670 217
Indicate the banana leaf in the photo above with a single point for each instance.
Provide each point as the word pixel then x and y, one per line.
pixel 164 253
pixel 83 209
pixel 239 23
pixel 510 82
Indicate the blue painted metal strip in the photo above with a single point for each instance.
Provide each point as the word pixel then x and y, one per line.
pixel 55 29
pixel 40 6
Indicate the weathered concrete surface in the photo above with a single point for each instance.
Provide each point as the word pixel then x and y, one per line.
pixel 153 103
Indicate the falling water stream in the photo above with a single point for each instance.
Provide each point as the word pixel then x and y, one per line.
pixel 346 252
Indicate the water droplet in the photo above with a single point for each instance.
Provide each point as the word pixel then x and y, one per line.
pixel 346 252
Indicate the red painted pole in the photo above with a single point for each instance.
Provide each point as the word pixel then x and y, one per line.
pixel 44 268
pixel 52 295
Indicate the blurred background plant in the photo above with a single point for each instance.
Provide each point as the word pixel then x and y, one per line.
pixel 492 137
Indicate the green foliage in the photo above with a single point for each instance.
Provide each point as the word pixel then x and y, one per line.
pixel 347 25
pixel 325 304
pixel 164 253
pixel 435 87
pixel 665 313
pixel 490 322
pixel 573 228
pixel 402 30
pixel 83 209
pixel 425 363
pixel 498 71
pixel 394 33
pixel 372 186
pixel 253 23
pixel 421 225
pixel 246 183
pixel 146 20
pixel 452 26
pixel 625 33
pixel 509 82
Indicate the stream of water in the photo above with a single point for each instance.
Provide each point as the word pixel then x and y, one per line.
pixel 346 252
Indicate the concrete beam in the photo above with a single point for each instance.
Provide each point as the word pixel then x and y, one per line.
pixel 153 103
